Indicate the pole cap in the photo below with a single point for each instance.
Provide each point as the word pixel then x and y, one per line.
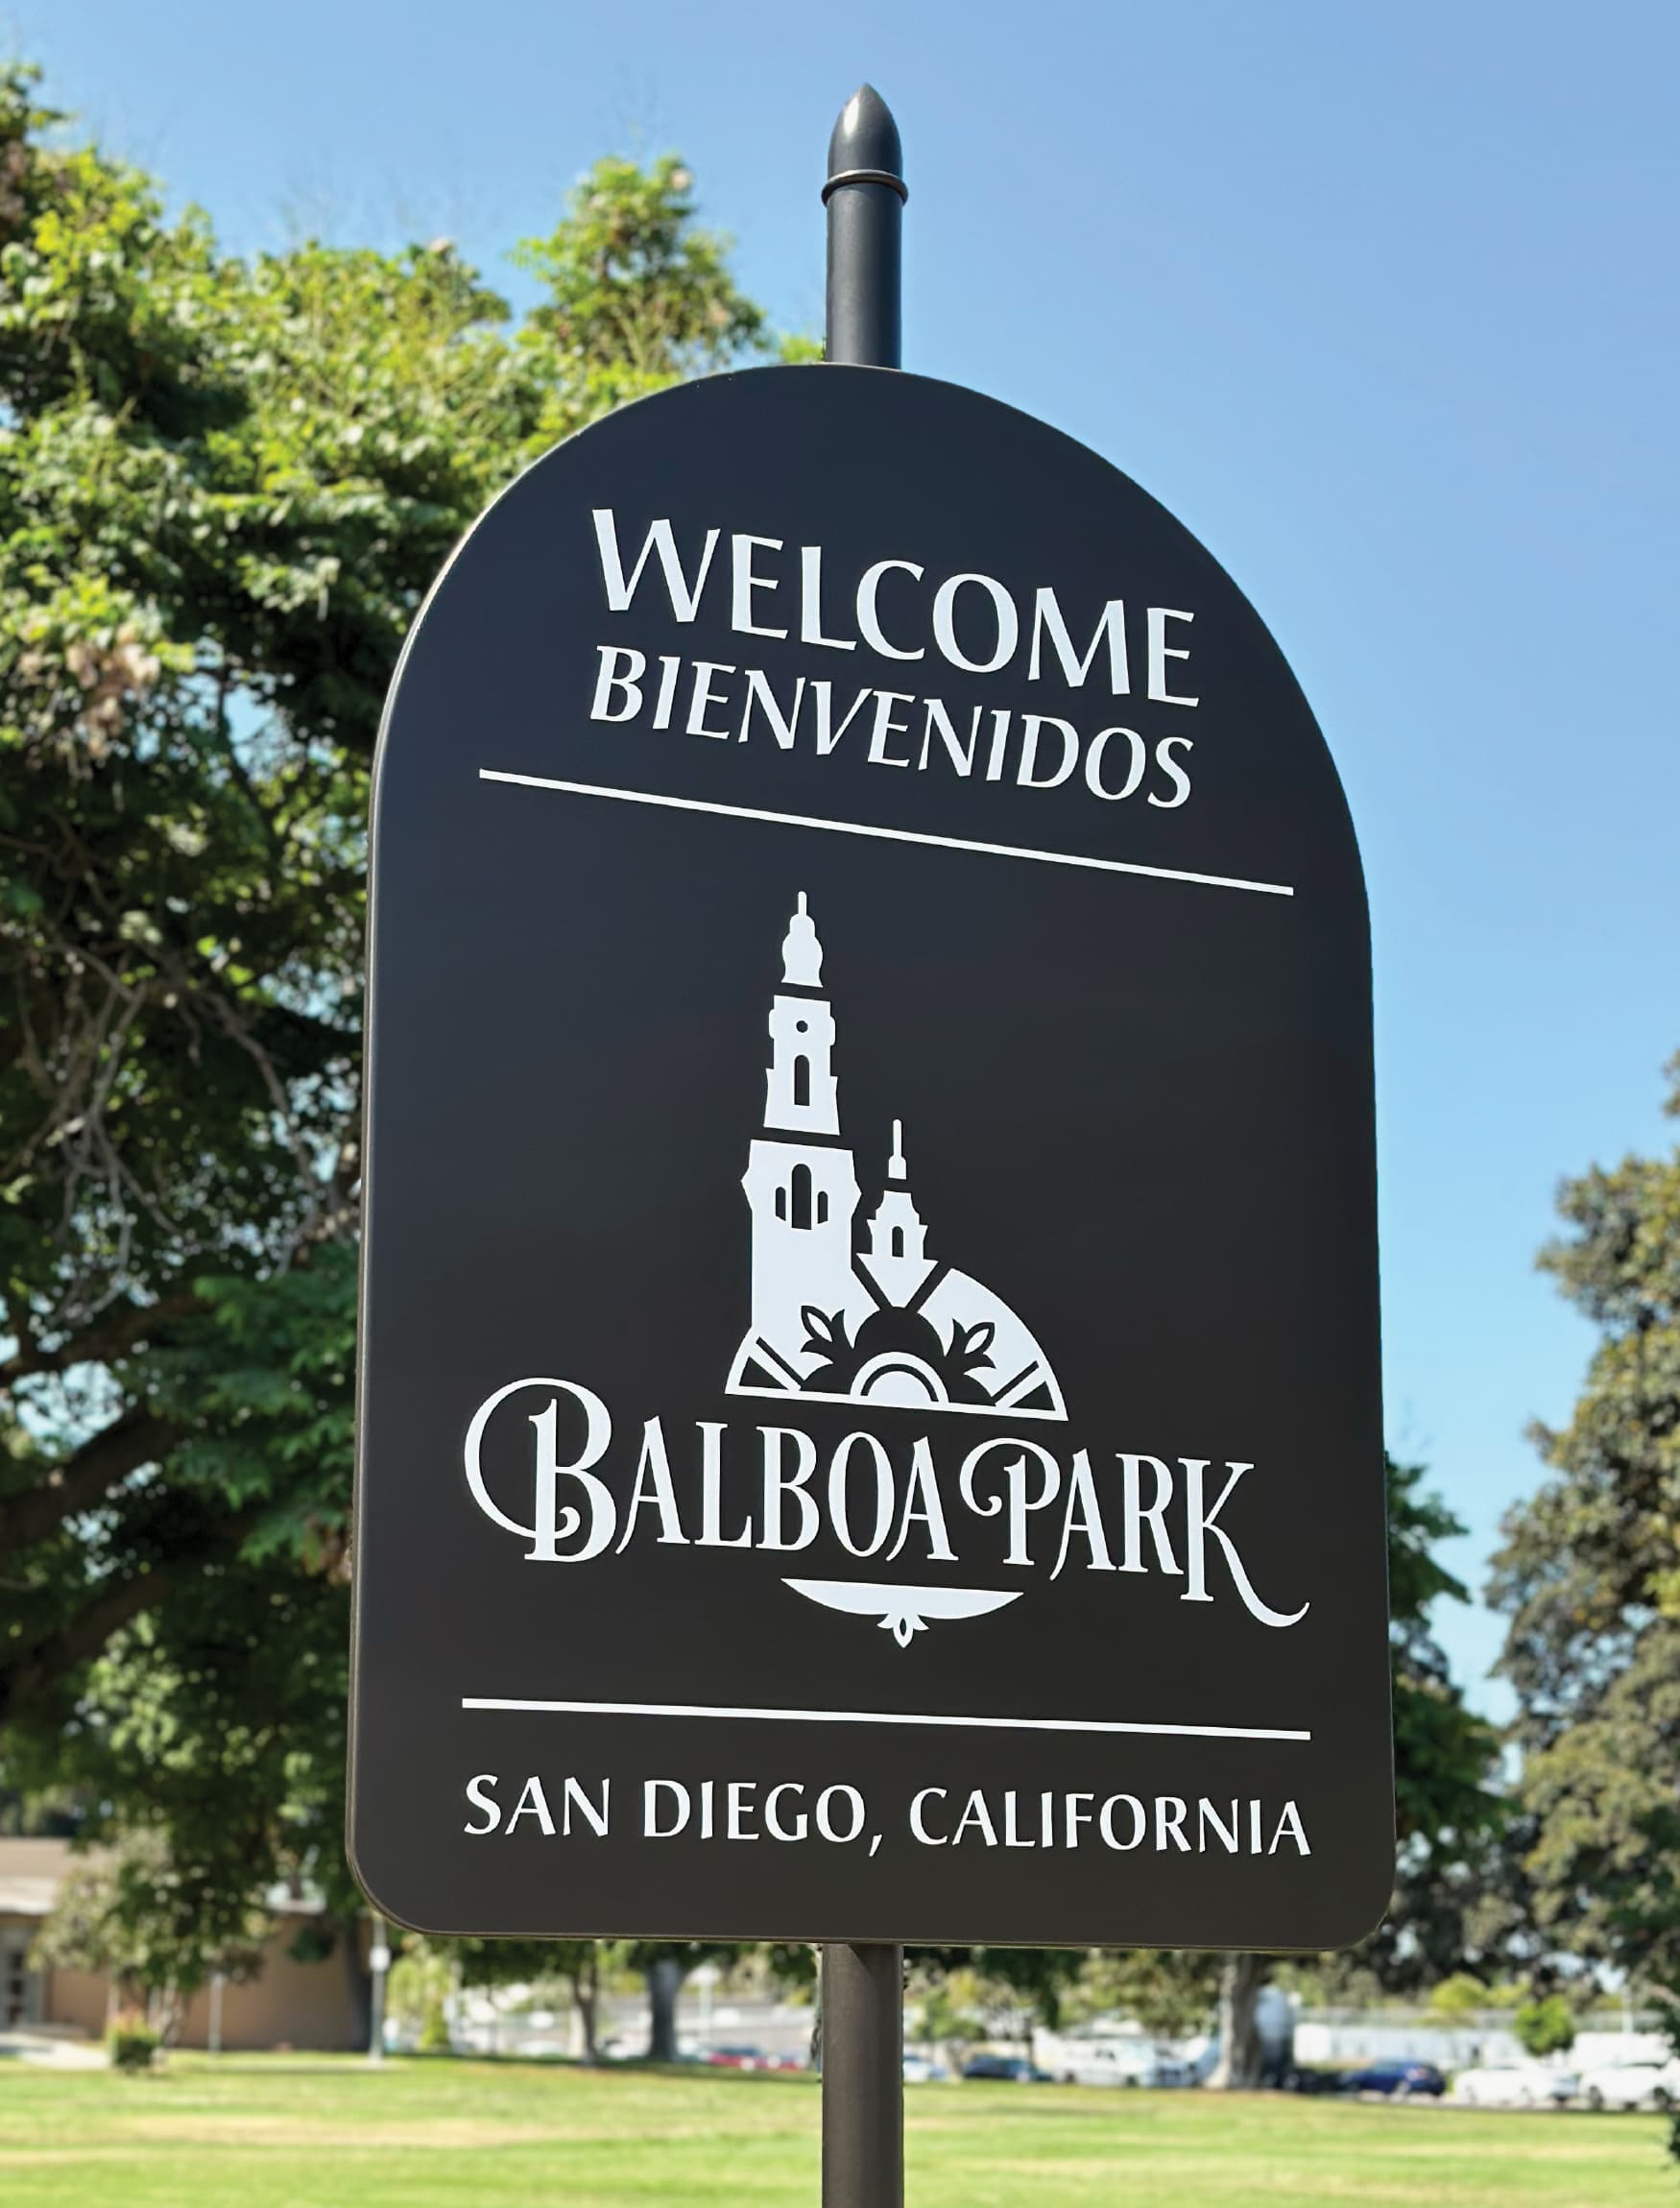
pixel 865 147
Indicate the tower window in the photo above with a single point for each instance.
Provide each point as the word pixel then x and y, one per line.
pixel 802 1196
pixel 802 1081
pixel 898 1241
pixel 782 1203
pixel 822 1206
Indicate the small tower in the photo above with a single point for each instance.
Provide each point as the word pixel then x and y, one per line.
pixel 801 1181
pixel 800 1092
pixel 897 1255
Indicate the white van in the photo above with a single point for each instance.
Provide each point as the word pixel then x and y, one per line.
pixel 1114 2059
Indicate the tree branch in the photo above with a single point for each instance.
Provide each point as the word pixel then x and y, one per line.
pixel 84 1478
pixel 118 1602
pixel 116 1333
pixel 34 1671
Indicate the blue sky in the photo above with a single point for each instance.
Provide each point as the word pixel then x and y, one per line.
pixel 1380 301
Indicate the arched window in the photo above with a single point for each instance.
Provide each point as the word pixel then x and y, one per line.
pixel 802 1196
pixel 898 1241
pixel 822 1206
pixel 802 1081
pixel 782 1203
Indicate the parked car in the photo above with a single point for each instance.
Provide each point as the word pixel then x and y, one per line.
pixel 920 2071
pixel 1313 2077
pixel 738 2058
pixel 1632 2085
pixel 1008 2068
pixel 1514 2085
pixel 1397 2080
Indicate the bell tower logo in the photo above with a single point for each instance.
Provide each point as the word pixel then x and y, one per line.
pixel 842 1314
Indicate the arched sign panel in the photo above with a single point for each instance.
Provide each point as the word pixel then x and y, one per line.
pixel 869 1413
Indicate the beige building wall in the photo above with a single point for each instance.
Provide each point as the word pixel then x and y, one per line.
pixel 75 1997
pixel 290 2003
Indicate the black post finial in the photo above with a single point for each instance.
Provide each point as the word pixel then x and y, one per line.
pixel 865 197
pixel 864 148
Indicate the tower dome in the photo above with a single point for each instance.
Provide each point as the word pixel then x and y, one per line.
pixel 802 955
pixel 898 1253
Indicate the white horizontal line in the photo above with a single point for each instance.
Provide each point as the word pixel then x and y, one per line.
pixel 886 834
pixel 878 1718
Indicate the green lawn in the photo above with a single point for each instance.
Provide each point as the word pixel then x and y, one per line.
pixel 296 2132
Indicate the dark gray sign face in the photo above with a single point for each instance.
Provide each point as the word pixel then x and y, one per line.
pixel 870 1417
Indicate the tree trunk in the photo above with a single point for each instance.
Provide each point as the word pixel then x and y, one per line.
pixel 1241 2059
pixel 665 1981
pixel 166 2013
pixel 586 1993
pixel 358 1980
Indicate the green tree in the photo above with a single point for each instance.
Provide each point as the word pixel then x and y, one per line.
pixel 1171 1995
pixel 225 486
pixel 501 1962
pixel 1459 1997
pixel 1448 1814
pixel 946 2007
pixel 664 1965
pixel 219 1719
pixel 155 1924
pixel 1545 2027
pixel 422 1979
pixel 1589 1576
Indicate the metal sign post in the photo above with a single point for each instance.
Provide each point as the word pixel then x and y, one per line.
pixel 863 2075
pixel 863 1986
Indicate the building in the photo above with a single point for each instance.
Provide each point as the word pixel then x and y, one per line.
pixel 289 2004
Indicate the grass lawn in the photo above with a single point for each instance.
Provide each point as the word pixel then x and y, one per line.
pixel 275 2131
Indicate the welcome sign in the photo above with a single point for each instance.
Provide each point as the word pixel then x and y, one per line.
pixel 870 1416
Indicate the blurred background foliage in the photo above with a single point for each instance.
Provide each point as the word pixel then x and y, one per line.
pixel 225 486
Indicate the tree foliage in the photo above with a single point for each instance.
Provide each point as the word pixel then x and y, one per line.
pixel 1448 1816
pixel 157 1926
pixel 1545 2026
pixel 664 1965
pixel 1170 1994
pixel 1588 1576
pixel 225 485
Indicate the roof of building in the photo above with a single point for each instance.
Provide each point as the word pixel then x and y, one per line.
pixel 31 1874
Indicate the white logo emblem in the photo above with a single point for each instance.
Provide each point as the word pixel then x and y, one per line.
pixel 841 1316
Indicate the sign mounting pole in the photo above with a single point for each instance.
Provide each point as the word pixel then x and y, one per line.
pixel 865 198
pixel 863 1984
pixel 863 2074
